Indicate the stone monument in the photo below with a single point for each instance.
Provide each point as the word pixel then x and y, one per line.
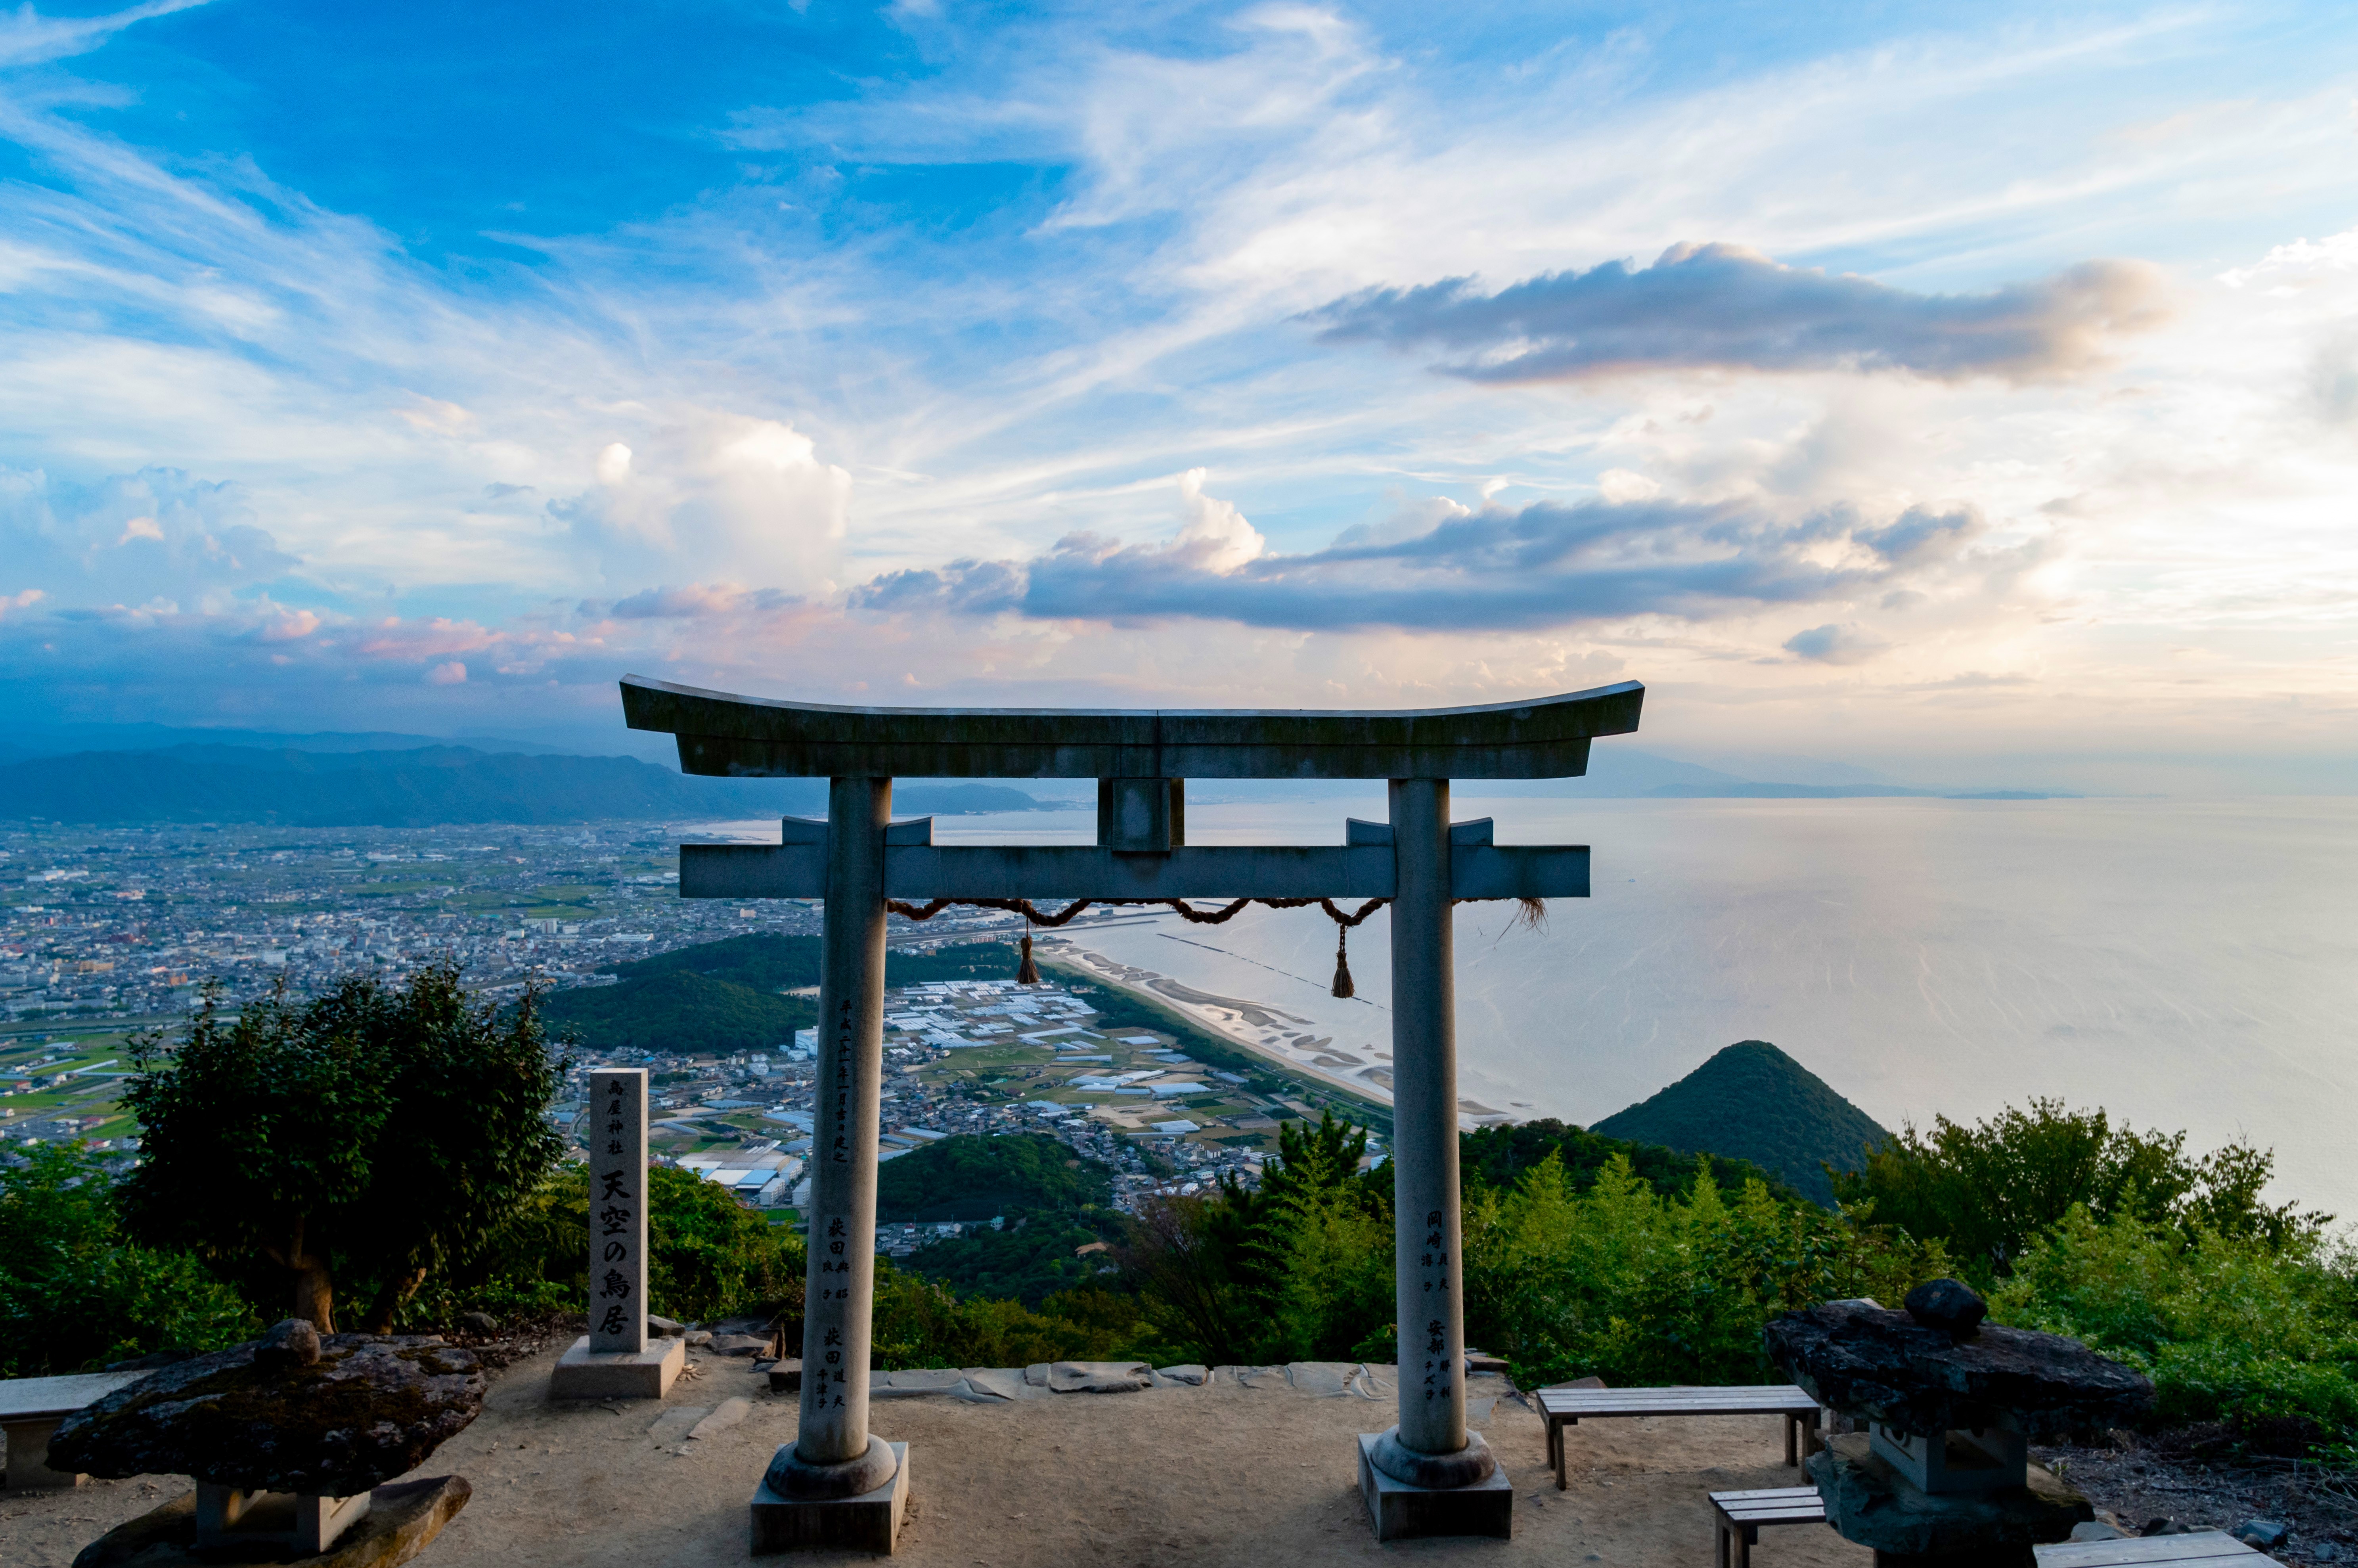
pixel 290 1440
pixel 839 1485
pixel 613 1360
pixel 1941 1477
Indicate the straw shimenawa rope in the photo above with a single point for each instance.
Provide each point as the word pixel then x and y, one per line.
pixel 1533 914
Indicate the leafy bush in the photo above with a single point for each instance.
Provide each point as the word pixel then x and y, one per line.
pixel 1624 1283
pixel 707 1256
pixel 920 1323
pixel 2230 1328
pixel 76 1294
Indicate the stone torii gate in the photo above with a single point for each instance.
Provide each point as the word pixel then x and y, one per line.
pixel 836 1484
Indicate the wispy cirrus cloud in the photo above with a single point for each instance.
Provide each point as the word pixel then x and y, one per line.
pixel 1722 307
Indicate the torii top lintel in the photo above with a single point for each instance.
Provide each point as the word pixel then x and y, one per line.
pixel 751 737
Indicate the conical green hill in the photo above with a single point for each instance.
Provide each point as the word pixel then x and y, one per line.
pixel 1753 1102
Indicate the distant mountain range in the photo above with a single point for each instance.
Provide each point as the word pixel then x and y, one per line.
pixel 156 773
pixel 418 787
pixel 1751 1101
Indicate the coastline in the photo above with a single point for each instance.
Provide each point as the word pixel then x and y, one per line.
pixel 1286 1039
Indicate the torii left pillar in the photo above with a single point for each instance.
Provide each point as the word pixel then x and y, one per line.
pixel 838 1484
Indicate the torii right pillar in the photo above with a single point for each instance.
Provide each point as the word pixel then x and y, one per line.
pixel 1429 1474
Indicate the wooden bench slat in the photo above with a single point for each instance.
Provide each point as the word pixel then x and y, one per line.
pixel 1731 1402
pixel 1764 1494
pixel 2202 1546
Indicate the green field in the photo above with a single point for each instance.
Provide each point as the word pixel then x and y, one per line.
pixel 79 1097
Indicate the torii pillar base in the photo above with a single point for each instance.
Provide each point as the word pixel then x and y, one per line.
pixel 1402 1512
pixel 869 1522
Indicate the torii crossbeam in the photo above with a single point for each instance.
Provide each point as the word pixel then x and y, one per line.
pixel 836 1483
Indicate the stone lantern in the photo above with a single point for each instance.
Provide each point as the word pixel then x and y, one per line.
pixel 1941 1477
pixel 290 1439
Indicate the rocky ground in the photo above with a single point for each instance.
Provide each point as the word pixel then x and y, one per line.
pixel 2192 1478
pixel 1223 1474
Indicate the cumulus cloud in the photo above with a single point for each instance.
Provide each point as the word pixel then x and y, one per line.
pixel 131 537
pixel 1724 307
pixel 712 495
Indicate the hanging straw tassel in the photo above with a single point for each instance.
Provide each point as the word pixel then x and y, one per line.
pixel 1342 961
pixel 1027 973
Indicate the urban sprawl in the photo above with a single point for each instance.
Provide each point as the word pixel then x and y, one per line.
pixel 106 932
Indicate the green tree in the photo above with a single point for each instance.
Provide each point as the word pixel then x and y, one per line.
pixel 1300 1267
pixel 371 1135
pixel 1989 1189
pixel 75 1294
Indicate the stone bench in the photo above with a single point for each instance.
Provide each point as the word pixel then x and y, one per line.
pixel 2195 1546
pixel 1560 1408
pixel 1738 1518
pixel 30 1410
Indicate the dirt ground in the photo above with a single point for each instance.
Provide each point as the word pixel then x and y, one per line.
pixel 1216 1475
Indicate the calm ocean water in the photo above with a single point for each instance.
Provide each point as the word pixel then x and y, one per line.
pixel 2183 964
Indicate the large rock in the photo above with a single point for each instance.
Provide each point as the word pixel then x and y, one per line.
pixel 1864 1360
pixel 369 1409
pixel 1872 1504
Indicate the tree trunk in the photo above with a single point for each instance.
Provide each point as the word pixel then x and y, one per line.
pixel 315 1293
pixel 389 1300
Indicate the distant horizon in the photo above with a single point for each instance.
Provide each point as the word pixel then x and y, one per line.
pixel 2329 776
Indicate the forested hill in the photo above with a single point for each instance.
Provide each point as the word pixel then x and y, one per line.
pixel 1751 1101
pixel 726 995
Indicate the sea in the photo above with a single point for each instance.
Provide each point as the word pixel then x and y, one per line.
pixel 2184 964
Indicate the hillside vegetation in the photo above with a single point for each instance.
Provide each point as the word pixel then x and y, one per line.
pixel 1752 1102
pixel 680 1012
pixel 726 995
pixel 973 1177
pixel 1501 1156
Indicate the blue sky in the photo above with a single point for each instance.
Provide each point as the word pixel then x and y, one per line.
pixel 1943 389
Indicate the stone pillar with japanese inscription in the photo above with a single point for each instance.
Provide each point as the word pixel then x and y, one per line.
pixel 614 1361
pixel 618 1210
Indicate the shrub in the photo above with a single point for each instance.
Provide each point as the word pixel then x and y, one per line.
pixel 921 1324
pixel 707 1256
pixel 2230 1328
pixel 1624 1283
pixel 75 1294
